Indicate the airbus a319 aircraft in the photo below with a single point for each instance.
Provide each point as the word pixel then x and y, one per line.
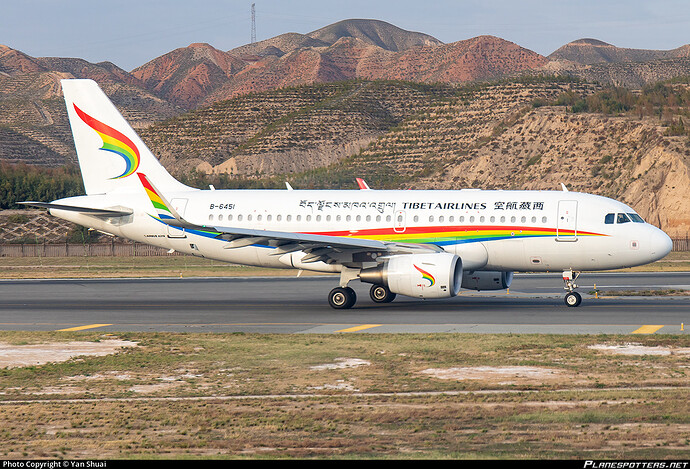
pixel 421 244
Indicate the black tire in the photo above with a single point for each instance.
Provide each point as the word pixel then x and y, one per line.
pixel 381 294
pixel 342 298
pixel 573 299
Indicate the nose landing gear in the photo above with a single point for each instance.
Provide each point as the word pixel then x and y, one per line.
pixel 572 298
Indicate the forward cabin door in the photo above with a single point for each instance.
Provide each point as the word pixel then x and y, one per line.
pixel 566 224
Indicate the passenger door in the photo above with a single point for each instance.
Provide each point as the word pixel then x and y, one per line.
pixel 566 223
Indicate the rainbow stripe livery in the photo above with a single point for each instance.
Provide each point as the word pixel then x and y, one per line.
pixel 164 213
pixel 115 142
pixel 426 275
pixel 458 234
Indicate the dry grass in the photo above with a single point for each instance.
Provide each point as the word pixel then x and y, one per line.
pixel 350 396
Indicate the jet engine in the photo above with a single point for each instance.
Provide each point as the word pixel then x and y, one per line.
pixel 486 280
pixel 433 275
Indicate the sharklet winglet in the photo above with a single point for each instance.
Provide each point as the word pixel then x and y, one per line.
pixel 166 212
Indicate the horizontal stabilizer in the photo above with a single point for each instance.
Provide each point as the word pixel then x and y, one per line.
pixel 96 212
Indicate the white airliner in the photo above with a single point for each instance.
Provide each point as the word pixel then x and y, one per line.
pixel 421 244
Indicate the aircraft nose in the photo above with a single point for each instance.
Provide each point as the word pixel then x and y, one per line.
pixel 660 244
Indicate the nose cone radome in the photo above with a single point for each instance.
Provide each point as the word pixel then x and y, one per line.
pixel 660 244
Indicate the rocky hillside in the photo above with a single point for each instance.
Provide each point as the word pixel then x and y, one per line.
pixel 513 135
pixel 286 131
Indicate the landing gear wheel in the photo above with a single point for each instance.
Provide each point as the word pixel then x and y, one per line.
pixel 381 294
pixel 342 298
pixel 573 299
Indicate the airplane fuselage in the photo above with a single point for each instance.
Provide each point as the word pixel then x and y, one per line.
pixel 488 230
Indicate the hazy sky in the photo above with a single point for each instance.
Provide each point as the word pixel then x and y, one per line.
pixel 130 33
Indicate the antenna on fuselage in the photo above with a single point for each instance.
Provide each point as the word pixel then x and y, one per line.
pixel 565 189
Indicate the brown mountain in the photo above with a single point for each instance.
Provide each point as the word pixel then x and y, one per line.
pixel 14 62
pixel 373 32
pixel 351 49
pixel 33 119
pixel 593 51
pixel 187 75
pixel 481 58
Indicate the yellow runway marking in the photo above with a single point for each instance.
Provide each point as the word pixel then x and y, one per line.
pixel 81 328
pixel 359 328
pixel 647 330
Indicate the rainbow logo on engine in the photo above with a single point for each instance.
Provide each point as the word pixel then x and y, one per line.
pixel 427 276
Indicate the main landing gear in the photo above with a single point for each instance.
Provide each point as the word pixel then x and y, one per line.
pixel 381 294
pixel 572 298
pixel 345 297
pixel 342 298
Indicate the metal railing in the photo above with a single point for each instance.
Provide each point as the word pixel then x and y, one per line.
pixel 82 250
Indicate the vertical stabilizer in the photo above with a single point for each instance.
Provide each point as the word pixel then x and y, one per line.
pixel 110 152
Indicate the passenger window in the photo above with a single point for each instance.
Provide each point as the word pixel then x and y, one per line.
pixel 622 218
pixel 609 218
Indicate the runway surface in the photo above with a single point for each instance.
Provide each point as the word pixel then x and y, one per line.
pixel 533 304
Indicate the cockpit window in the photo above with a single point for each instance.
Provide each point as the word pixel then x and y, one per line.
pixel 609 218
pixel 635 217
pixel 622 218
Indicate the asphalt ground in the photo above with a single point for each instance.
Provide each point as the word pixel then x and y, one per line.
pixel 533 304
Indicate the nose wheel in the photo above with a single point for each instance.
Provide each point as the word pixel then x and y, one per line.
pixel 572 298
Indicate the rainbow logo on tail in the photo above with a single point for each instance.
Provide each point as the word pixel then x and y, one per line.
pixel 426 275
pixel 114 141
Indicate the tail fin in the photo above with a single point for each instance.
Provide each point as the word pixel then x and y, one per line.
pixel 109 150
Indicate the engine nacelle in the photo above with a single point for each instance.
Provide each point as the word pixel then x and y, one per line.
pixel 486 280
pixel 433 275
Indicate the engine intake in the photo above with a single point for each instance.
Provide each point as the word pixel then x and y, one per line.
pixel 433 275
